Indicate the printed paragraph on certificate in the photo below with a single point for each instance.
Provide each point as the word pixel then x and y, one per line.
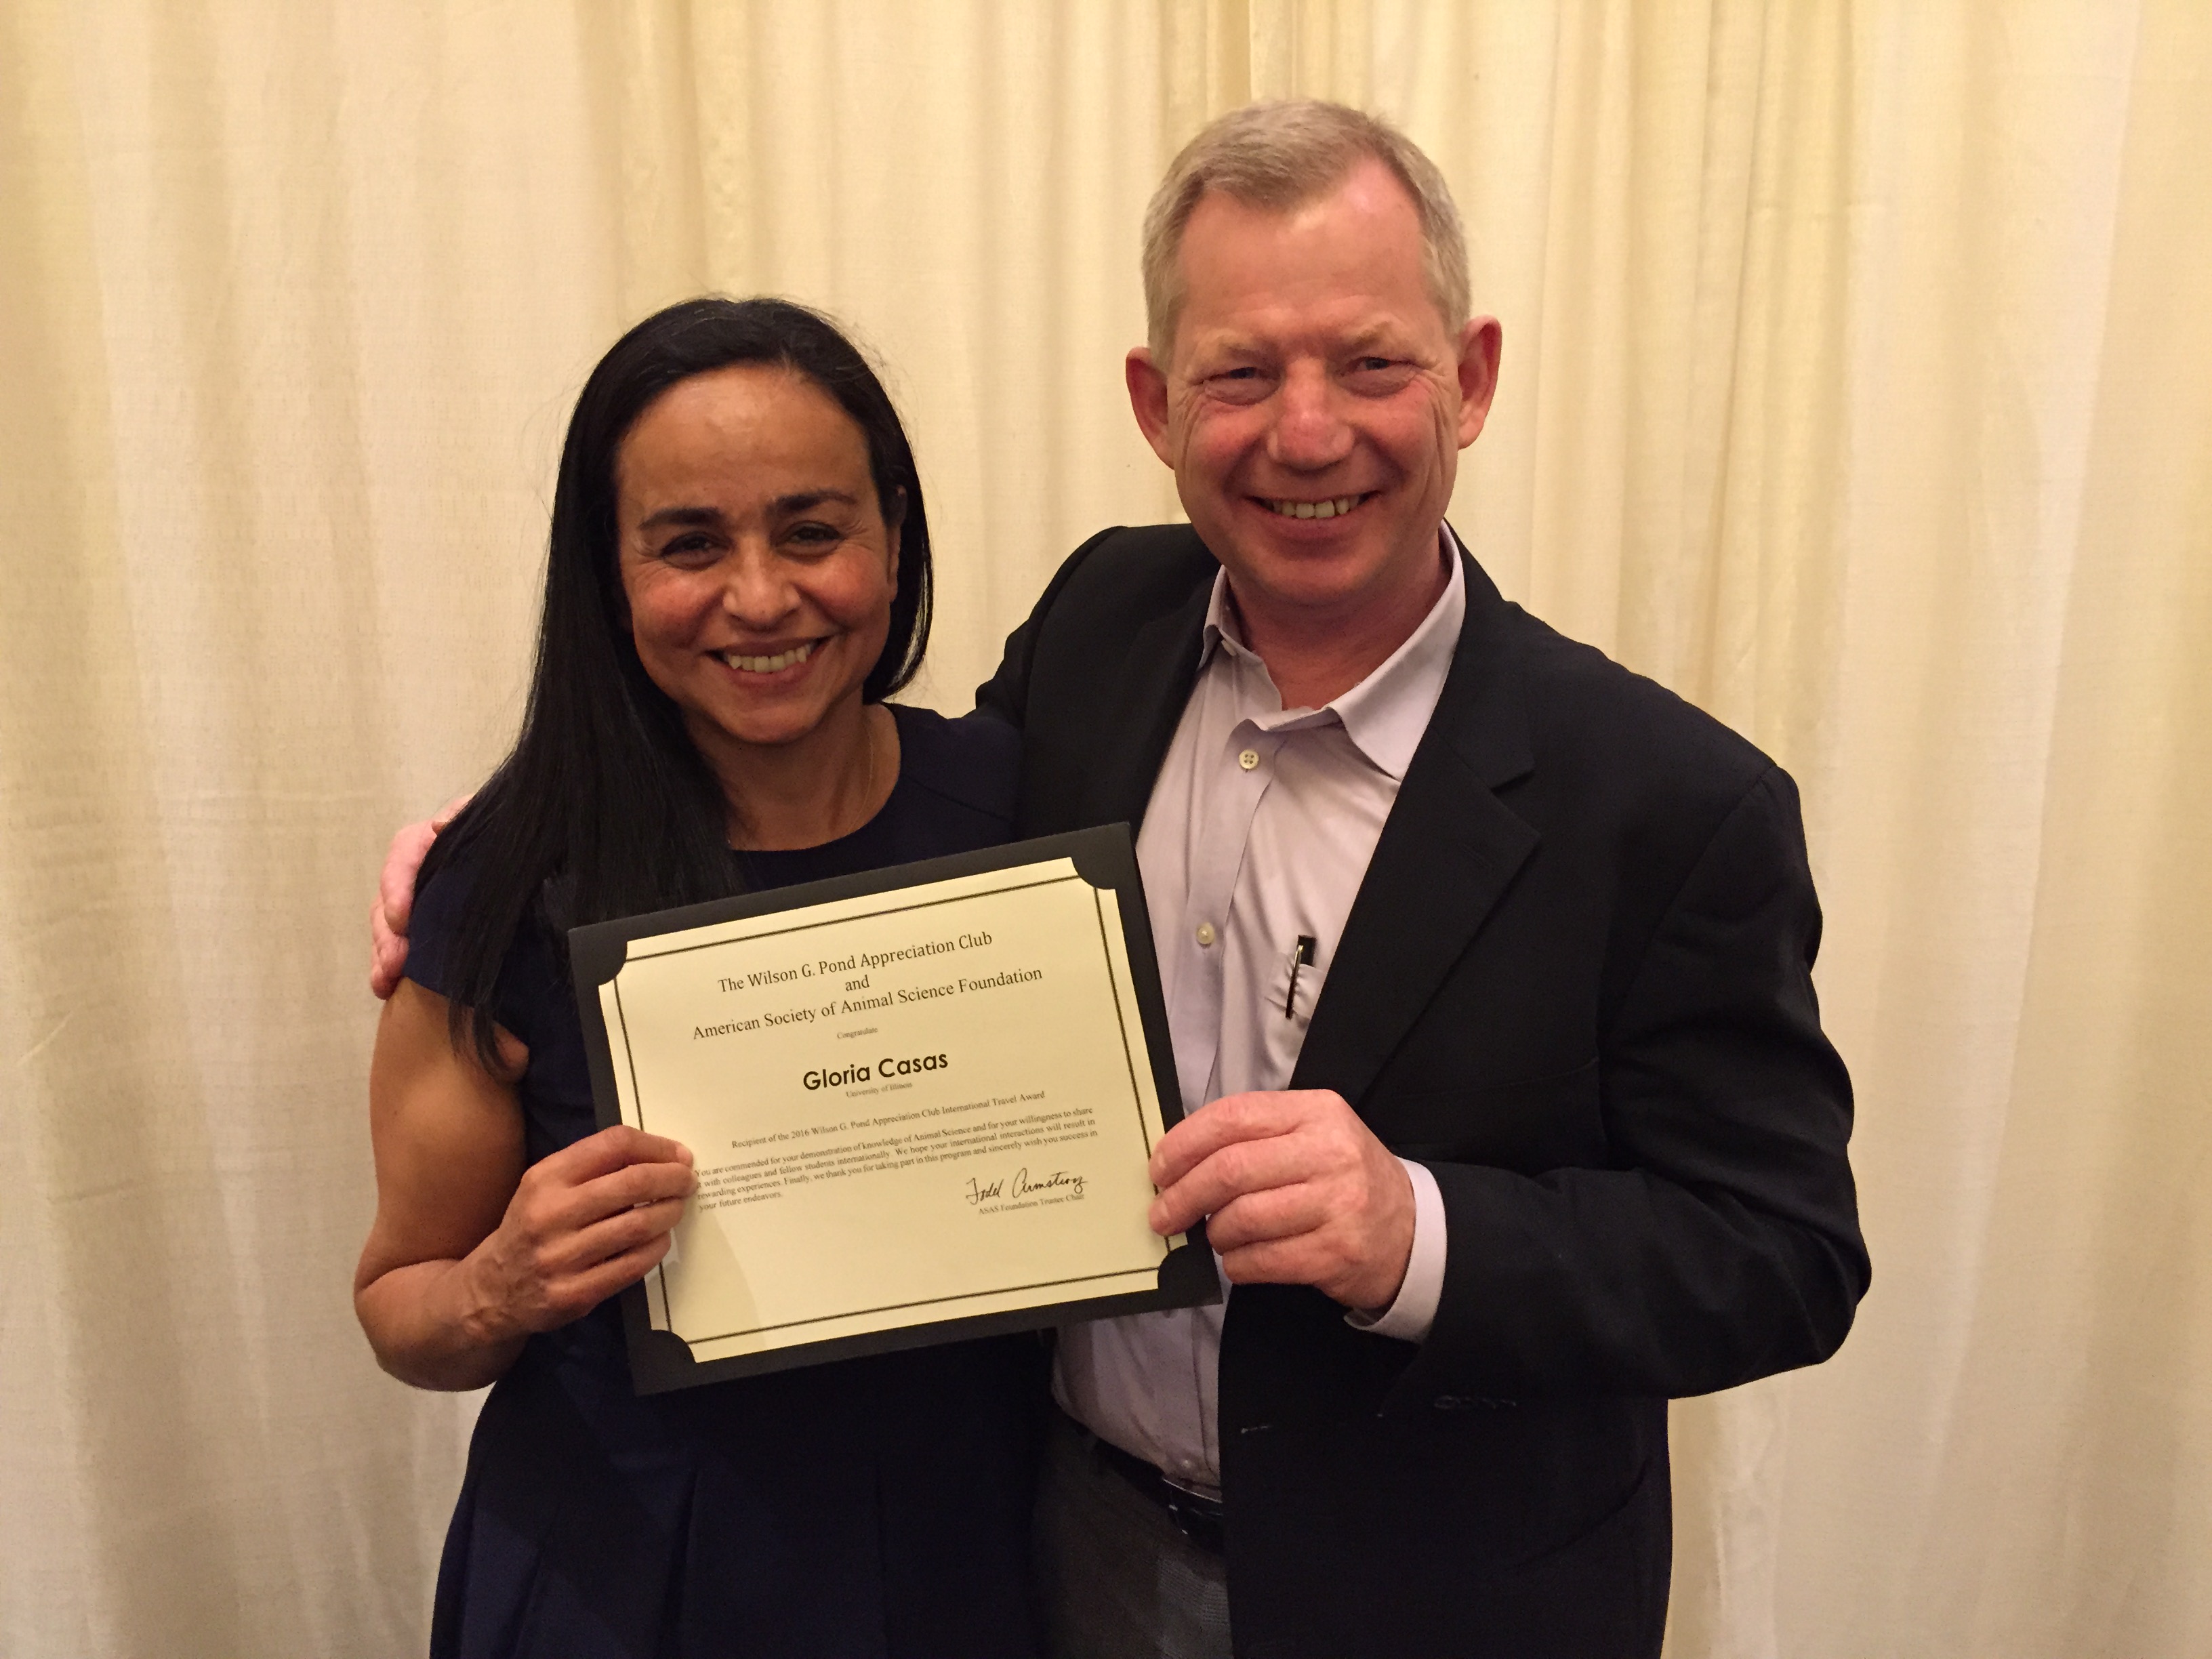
pixel 924 1104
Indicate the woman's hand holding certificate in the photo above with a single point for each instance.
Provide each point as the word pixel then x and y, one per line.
pixel 583 1222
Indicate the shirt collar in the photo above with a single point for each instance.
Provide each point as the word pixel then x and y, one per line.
pixel 1385 714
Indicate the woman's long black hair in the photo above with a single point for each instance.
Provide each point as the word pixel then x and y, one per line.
pixel 604 807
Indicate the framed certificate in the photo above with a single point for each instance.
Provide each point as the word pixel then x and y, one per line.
pixel 921 1101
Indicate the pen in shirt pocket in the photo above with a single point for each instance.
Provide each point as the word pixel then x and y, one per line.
pixel 1301 956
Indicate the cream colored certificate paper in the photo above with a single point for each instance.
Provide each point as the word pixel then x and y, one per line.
pixel 915 1106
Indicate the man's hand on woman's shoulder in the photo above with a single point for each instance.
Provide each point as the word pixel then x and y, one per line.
pixel 395 898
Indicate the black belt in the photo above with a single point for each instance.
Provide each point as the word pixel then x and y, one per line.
pixel 1194 1515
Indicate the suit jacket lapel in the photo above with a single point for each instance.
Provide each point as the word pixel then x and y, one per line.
pixel 1448 851
pixel 1152 684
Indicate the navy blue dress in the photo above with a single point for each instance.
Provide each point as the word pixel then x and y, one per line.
pixel 877 1508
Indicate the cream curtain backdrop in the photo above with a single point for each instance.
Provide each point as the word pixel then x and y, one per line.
pixel 1858 385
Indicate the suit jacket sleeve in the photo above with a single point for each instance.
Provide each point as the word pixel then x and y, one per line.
pixel 1721 1241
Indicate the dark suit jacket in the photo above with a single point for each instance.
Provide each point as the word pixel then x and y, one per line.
pixel 1575 984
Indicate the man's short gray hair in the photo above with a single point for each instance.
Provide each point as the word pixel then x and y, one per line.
pixel 1281 155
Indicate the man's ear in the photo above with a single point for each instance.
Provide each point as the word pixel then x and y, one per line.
pixel 1148 400
pixel 1479 343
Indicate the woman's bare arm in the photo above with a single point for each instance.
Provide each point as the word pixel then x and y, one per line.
pixel 471 1252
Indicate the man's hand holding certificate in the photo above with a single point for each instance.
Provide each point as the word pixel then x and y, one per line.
pixel 922 1103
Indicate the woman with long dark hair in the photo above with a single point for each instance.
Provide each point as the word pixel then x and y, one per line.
pixel 738 575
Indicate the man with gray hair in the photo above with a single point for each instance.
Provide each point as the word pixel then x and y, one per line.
pixel 1487 965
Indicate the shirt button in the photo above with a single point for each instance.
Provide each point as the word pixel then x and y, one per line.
pixel 1248 759
pixel 1205 932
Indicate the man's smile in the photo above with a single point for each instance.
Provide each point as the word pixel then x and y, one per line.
pixel 1331 508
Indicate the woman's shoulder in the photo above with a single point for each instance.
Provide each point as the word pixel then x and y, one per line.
pixel 974 762
pixel 527 971
pixel 433 922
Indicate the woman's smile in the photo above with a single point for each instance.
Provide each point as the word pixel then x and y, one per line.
pixel 774 662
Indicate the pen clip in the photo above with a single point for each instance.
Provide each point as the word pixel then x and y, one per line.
pixel 1301 956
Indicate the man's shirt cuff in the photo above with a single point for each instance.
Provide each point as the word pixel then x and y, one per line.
pixel 1408 1317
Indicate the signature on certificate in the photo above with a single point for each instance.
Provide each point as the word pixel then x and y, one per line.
pixel 1060 1184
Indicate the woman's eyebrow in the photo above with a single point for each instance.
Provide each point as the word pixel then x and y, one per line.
pixel 807 499
pixel 687 517
pixel 710 518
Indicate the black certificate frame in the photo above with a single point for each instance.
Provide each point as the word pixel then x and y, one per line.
pixel 1104 857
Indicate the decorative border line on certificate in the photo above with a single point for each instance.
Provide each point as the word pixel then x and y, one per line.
pixel 1114 949
pixel 857 915
pixel 1117 969
pixel 1147 1272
